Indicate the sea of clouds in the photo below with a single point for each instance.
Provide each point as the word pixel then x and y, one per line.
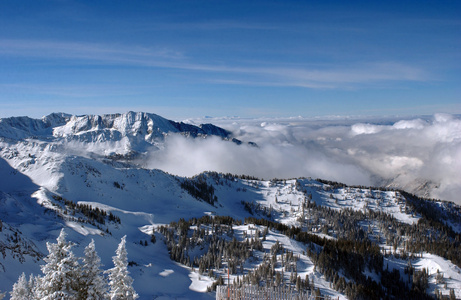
pixel 421 155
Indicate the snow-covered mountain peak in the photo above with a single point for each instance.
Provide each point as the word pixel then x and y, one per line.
pixel 56 119
pixel 128 124
pixel 17 128
pixel 131 131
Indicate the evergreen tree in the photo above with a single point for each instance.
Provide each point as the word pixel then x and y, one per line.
pixel 120 281
pixel 93 286
pixel 61 271
pixel 21 289
pixel 34 284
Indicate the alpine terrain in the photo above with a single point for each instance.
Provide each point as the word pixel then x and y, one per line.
pixel 78 184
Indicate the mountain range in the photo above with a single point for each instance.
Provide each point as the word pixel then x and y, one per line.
pixel 63 171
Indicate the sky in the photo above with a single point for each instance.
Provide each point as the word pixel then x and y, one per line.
pixel 251 59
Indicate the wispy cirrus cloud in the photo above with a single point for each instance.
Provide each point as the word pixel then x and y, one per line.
pixel 103 53
pixel 73 91
pixel 361 75
pixel 259 74
pixel 217 25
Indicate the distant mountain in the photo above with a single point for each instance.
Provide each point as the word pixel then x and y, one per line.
pixel 137 130
pixel 340 241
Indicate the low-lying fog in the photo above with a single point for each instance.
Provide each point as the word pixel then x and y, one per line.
pixel 417 154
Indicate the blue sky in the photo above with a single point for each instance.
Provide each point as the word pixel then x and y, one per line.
pixel 230 58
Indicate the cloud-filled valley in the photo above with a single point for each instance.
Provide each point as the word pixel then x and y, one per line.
pixel 421 155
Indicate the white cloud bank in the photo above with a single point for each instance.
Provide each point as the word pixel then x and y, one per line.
pixel 418 155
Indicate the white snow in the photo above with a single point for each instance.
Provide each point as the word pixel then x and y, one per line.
pixel 166 272
pixel 433 264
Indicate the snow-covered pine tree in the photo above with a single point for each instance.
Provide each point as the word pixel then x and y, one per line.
pixel 34 284
pixel 120 281
pixel 21 289
pixel 61 271
pixel 93 285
